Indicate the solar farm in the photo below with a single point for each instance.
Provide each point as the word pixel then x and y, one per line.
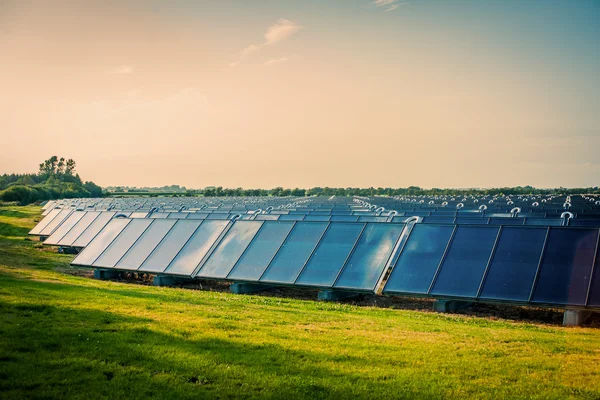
pixel 302 297
pixel 525 251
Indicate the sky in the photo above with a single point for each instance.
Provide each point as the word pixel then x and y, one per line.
pixel 266 93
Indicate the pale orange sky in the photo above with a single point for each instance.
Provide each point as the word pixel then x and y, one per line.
pixel 302 94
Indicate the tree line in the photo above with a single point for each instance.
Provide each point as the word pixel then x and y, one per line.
pixel 409 191
pixel 56 178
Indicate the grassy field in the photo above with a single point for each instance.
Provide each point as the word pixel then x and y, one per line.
pixel 64 335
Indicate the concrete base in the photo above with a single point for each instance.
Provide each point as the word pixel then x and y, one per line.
pixel 247 288
pixel 164 280
pixel 335 295
pixel 105 274
pixel 448 306
pixel 576 317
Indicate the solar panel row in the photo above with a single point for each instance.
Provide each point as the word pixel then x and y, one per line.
pixel 526 265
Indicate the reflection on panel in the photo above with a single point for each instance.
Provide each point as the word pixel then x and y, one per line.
pixel 565 271
pixel 79 228
pixel 55 222
pixel 330 255
pixel 261 251
pixel 95 227
pixel 513 267
pixel 170 246
pixel 136 255
pixel 44 222
pixel 372 252
pixel 294 252
pixel 462 269
pixel 65 227
pixel 197 247
pixel 101 241
pixel 122 243
pixel 229 250
pixel 419 259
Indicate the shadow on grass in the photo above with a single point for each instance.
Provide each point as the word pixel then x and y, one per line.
pixel 61 351
pixel 13 230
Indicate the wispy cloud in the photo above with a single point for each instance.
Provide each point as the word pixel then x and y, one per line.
pixel 276 33
pixel 122 70
pixel 282 29
pixel 390 5
pixel 276 61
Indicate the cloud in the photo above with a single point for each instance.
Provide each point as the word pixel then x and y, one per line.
pixel 122 70
pixel 276 61
pixel 276 33
pixel 381 3
pixel 249 50
pixel 282 29
pixel 390 5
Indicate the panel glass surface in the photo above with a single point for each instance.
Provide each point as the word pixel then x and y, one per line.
pixel 95 227
pixel 330 255
pixel 594 300
pixel 44 222
pixel 122 243
pixel 514 264
pixel 136 255
pixel 419 260
pixel 464 265
pixel 229 250
pixel 261 251
pixel 158 215
pixel 565 271
pixel 65 227
pixel 55 222
pixel 291 217
pixel 82 225
pixel 168 248
pixel 294 252
pixel 197 247
pixel 101 241
pixel 373 250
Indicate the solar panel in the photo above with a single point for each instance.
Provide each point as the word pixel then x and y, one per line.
pixel 419 260
pixel 229 250
pixel 168 248
pixel 101 242
pixel 65 227
pixel 513 267
pixel 467 257
pixel 294 253
pixel 370 257
pixel 52 225
pixel 148 241
pixel 78 229
pixel 566 267
pixel 197 247
pixel 95 227
pixel 261 251
pixel 330 255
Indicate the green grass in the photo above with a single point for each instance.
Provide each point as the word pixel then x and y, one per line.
pixel 63 335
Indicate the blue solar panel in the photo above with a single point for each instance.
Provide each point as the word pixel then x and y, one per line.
pixel 229 250
pixel 564 275
pixel 514 265
pixel 462 269
pixel 261 251
pixel 294 252
pixel 186 254
pixel 420 258
pixel 372 252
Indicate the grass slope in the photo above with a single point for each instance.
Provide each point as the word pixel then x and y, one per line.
pixel 63 335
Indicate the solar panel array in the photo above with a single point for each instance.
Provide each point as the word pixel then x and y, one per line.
pixel 522 250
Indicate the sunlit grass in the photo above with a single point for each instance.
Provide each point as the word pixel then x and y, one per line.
pixel 68 336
